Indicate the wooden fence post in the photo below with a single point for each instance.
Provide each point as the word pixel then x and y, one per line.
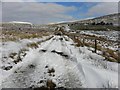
pixel 95 45
pixel 83 41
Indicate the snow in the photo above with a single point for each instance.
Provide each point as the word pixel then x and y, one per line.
pixel 67 28
pixel 75 67
pixel 11 46
pixel 110 35
pixel 19 22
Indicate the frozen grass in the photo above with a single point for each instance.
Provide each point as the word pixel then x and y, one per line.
pixel 13 35
pixel 12 55
pixel 32 45
pixel 17 57
pixel 50 84
pixel 109 54
pixel 108 85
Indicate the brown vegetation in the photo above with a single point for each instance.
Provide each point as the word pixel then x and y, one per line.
pixel 13 35
pixel 50 84
pixel 32 45
pixel 109 54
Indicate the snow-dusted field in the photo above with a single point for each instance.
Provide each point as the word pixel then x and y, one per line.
pixel 110 35
pixel 109 39
pixel 57 61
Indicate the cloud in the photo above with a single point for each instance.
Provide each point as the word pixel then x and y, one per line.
pixel 18 0
pixel 0 12
pixel 36 12
pixel 103 9
pixel 60 0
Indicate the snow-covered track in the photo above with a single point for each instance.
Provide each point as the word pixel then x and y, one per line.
pixel 57 63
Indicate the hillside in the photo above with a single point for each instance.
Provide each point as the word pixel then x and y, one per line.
pixel 107 22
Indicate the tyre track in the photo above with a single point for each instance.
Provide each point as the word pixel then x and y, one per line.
pixel 72 74
pixel 34 70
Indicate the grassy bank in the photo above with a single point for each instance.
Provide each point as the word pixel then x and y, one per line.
pixel 95 27
pixel 13 35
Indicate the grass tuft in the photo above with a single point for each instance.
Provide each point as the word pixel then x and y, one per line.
pixel 50 84
pixel 32 45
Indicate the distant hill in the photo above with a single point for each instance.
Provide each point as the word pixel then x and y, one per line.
pixel 107 22
pixel 19 22
pixel 112 18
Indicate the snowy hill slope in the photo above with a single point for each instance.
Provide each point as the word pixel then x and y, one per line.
pixel 58 63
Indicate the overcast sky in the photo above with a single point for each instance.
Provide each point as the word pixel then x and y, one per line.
pixel 50 12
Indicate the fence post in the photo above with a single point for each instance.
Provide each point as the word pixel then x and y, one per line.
pixel 95 45
pixel 83 41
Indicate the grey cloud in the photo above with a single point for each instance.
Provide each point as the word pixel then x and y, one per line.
pixel 0 12
pixel 36 12
pixel 61 0
pixel 103 9
pixel 18 0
